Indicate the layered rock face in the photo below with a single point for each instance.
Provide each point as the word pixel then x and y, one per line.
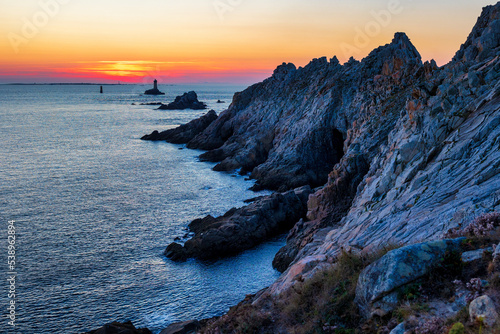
pixel 414 148
pixel 431 139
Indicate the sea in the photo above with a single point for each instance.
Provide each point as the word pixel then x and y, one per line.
pixel 90 208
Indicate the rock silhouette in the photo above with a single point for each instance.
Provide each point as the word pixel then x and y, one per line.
pixel 186 101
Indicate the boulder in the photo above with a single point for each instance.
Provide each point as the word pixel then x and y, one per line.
pixel 378 284
pixel 187 327
pixel 120 328
pixel 244 228
pixel 184 133
pixel 484 308
pixel 186 101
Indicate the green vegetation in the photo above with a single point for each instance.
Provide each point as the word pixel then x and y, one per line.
pixel 457 328
pixel 326 301
pixel 321 304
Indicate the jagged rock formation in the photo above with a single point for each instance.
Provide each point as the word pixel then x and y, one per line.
pixel 431 140
pixel 241 229
pixel 413 148
pixel 290 129
pixel 184 133
pixel 186 101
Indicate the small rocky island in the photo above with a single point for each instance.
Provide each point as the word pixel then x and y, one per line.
pixel 186 101
pixel 155 90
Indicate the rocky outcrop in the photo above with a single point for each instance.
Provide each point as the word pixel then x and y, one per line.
pixel 184 133
pixel 378 284
pixel 186 101
pixel 120 328
pixel 241 229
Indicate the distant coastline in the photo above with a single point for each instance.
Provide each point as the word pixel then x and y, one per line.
pixel 74 84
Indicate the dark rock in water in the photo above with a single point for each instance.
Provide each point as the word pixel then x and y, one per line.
pixel 186 101
pixel 120 328
pixel 187 327
pixel 184 133
pixel 219 101
pixel 244 228
pixel 151 104
pixel 176 252
pixel 154 90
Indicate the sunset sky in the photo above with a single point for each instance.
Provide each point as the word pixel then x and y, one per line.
pixel 230 41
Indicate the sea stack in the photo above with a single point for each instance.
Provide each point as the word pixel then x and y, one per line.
pixel 186 101
pixel 155 90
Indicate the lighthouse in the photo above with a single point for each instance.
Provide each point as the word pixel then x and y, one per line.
pixel 155 90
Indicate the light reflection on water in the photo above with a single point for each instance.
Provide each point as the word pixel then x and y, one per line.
pixel 95 207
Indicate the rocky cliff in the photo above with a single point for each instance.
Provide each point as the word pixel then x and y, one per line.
pixel 431 140
pixel 294 127
pixel 407 150
pixel 403 150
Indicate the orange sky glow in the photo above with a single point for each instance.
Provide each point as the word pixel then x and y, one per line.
pixel 219 41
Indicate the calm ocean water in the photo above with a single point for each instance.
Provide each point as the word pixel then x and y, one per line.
pixel 95 208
